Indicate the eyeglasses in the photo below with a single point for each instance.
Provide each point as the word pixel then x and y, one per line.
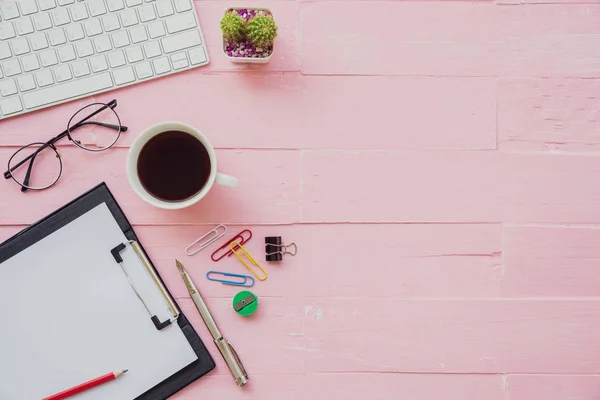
pixel 95 127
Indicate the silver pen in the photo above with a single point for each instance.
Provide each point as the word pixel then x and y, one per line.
pixel 227 351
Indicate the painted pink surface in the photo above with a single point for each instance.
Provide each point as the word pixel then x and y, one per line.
pixel 437 165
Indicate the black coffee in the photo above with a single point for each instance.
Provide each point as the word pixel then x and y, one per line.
pixel 173 166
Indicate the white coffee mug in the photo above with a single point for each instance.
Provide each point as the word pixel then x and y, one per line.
pixel 149 133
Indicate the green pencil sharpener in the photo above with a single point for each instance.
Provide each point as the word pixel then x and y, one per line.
pixel 245 303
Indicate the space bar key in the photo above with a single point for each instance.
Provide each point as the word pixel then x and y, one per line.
pixel 68 90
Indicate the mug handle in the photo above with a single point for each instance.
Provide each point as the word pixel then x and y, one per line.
pixel 226 180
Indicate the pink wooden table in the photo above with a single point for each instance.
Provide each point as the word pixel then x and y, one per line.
pixel 437 165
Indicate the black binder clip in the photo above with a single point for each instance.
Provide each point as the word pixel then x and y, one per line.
pixel 150 270
pixel 275 249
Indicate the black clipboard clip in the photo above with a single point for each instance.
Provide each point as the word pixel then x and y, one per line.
pixel 146 263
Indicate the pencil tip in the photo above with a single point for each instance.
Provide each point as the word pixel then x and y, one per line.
pixel 125 370
pixel 179 265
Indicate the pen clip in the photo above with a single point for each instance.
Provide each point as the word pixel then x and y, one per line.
pixel 237 359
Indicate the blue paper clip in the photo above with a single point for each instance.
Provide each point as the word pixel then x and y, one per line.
pixel 244 283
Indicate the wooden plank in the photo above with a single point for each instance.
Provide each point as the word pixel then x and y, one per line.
pixel 449 187
pixel 418 38
pixel 452 336
pixel 550 261
pixel 553 387
pixel 549 114
pixel 340 386
pixel 333 260
pixel 412 113
pixel 267 193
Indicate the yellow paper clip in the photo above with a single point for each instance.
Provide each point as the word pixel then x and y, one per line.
pixel 238 249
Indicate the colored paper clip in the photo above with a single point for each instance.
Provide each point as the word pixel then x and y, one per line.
pixel 246 279
pixel 213 235
pixel 238 249
pixel 237 238
pixel 275 249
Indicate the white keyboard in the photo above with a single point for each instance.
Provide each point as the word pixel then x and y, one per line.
pixel 53 51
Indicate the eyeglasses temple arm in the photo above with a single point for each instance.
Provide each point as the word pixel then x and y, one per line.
pixel 7 174
pixel 28 174
pixel 122 128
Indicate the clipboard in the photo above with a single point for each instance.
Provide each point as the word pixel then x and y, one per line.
pixel 75 209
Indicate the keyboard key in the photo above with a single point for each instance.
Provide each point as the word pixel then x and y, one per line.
pixel 26 82
pixel 42 21
pixel 120 39
pixel 60 16
pixel 67 90
pixel 178 57
pixel 20 46
pixel 128 18
pixel 115 5
pixel 143 70
pixel 152 49
pixel 133 3
pixel 66 53
pixel 93 27
pixel 38 41
pixel 11 67
pixel 138 34
pixel 62 73
pixel 28 7
pixel 111 22
pixel 65 2
pixel 79 12
pixel 147 13
pixel 124 75
pixel 180 23
pixel 44 78
pixel 74 32
pixel 1 74
pixel 161 65
pixel 156 29
pixel 5 50
pixel 57 36
pixel 164 8
pixel 180 64
pixel 8 87
pixel 134 54
pixel 80 68
pixel 116 58
pixel 96 7
pixel 84 48
pixel 102 44
pixel 181 41
pixel 98 63
pixel 48 58
pixel 30 63
pixel 183 5
pixel 197 56
pixel 46 4
pixel 24 26
pixel 11 106
pixel 7 31
pixel 9 10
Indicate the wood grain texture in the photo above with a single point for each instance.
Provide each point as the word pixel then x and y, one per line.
pixel 427 113
pixel 449 187
pixel 450 336
pixel 256 199
pixel 549 115
pixel 418 38
pixel 550 261
pixel 553 387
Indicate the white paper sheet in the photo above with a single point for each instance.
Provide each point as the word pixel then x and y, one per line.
pixel 69 315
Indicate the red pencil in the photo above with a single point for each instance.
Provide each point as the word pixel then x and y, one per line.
pixel 86 386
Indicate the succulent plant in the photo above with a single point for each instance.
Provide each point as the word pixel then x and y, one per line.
pixel 233 27
pixel 261 30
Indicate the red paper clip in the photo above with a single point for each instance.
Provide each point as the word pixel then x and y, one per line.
pixel 237 238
